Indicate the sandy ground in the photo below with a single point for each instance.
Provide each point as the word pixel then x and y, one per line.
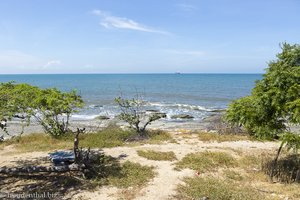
pixel 163 186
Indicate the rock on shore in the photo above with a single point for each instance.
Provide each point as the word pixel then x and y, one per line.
pixel 182 116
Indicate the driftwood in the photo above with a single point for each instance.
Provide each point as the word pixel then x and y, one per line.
pixel 80 164
pixel 40 169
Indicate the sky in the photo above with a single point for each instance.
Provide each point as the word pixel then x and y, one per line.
pixel 144 36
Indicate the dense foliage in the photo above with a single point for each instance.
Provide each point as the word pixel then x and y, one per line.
pixel 274 103
pixel 51 108
pixel 132 112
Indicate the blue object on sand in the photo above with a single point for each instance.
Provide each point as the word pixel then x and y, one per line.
pixel 62 157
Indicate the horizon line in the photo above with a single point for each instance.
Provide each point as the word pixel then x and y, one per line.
pixel 139 73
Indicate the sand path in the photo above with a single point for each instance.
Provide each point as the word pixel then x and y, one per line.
pixel 164 184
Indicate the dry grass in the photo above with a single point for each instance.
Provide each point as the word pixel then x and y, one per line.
pixel 214 188
pixel 40 142
pixel 106 138
pixel 215 137
pixel 250 161
pixel 243 179
pixel 159 136
pixel 206 161
pixel 157 155
pixel 131 175
pixel 233 175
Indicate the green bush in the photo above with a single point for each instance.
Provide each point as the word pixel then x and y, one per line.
pixel 51 108
pixel 274 101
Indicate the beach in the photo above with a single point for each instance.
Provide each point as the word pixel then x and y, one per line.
pixel 149 100
pixel 187 152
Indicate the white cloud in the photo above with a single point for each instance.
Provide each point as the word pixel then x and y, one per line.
pixel 186 7
pixel 110 21
pixel 52 63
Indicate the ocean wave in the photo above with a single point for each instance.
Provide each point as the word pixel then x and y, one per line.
pixel 94 106
pixel 178 105
pixel 170 109
pixel 84 117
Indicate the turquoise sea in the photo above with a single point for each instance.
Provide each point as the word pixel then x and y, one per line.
pixel 194 94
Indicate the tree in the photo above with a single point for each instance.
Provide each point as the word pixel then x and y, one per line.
pixel 16 101
pixel 132 112
pixel 55 108
pixel 274 103
pixel 51 108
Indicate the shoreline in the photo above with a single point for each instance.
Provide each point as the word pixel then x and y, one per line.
pixel 14 127
pixel 211 123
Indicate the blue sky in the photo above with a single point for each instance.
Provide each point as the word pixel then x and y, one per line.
pixel 139 36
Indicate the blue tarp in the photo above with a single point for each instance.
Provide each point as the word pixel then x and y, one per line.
pixel 62 157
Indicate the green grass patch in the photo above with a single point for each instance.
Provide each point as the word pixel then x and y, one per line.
pixel 157 155
pixel 206 161
pixel 215 137
pixel 213 188
pixel 131 175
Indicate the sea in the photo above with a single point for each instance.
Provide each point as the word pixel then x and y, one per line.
pixel 197 95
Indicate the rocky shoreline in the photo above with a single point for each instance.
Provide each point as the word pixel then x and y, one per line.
pixel 178 123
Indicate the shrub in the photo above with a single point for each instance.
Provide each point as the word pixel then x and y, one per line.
pixel 132 112
pixel 274 101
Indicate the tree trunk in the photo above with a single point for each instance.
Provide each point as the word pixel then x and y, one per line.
pixel 276 160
